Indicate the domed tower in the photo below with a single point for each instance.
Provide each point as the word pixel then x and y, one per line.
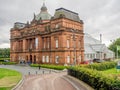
pixel 43 15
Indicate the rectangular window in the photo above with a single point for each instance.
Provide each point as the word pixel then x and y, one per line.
pixel 13 47
pixel 79 58
pixel 56 43
pixel 43 59
pixel 68 59
pixel 44 44
pixel 36 42
pixel 47 59
pixel 30 44
pixel 68 43
pixel 57 59
pixel 48 44
pixel 79 44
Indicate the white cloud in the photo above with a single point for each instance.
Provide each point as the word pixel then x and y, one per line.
pixel 100 17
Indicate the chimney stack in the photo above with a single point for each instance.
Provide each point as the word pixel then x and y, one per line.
pixel 101 38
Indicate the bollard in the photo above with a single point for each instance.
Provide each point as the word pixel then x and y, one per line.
pixel 39 67
pixel 36 72
pixel 49 71
pixel 43 72
pixel 28 73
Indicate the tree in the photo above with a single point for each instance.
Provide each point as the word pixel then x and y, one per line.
pixel 4 52
pixel 114 46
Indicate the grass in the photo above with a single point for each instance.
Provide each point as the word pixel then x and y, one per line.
pixel 9 78
pixel 112 73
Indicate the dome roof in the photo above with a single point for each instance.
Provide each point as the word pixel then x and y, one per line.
pixel 44 15
pixel 43 8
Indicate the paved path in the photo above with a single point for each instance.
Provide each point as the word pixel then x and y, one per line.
pixel 48 81
pixel 25 70
pixel 53 81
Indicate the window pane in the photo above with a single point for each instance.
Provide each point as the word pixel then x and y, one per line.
pixel 48 44
pixel 68 44
pixel 47 59
pixel 56 43
pixel 79 44
pixel 36 42
pixel 57 59
pixel 68 59
pixel 43 59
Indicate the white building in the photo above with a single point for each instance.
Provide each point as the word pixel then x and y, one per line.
pixel 95 49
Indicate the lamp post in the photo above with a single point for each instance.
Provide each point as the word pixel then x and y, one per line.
pixel 74 46
pixel 39 63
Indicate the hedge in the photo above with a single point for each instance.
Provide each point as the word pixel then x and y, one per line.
pixel 56 67
pixel 4 58
pixel 94 78
pixel 8 63
pixel 102 66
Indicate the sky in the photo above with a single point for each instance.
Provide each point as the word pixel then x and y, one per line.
pixel 99 16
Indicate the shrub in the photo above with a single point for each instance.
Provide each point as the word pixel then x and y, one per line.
pixel 94 78
pixel 2 59
pixel 102 66
pixel 9 63
pixel 56 67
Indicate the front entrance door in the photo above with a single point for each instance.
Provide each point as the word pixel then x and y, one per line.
pixel 30 58
pixel 34 59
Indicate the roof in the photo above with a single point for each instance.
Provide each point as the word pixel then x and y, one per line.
pixel 67 13
pixel 43 15
pixel 88 39
pixel 99 47
pixel 88 49
pixel 93 45
pixel 19 25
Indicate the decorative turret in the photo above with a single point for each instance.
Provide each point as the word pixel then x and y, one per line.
pixel 43 8
pixel 34 20
pixel 27 24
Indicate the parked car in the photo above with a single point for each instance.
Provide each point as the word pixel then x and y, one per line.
pixel 98 60
pixel 6 60
pixel 85 62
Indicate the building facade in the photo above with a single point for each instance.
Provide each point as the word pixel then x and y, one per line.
pixel 57 39
pixel 94 49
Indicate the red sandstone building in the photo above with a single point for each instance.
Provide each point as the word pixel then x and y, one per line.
pixel 49 39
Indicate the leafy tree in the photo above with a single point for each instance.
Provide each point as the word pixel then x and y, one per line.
pixel 4 52
pixel 113 46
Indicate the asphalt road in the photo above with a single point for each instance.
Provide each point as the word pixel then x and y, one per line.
pixel 26 70
pixel 52 81
pixel 45 79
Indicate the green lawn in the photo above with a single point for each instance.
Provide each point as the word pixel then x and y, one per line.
pixel 9 78
pixel 112 72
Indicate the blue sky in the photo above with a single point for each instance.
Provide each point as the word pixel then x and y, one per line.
pixel 99 16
